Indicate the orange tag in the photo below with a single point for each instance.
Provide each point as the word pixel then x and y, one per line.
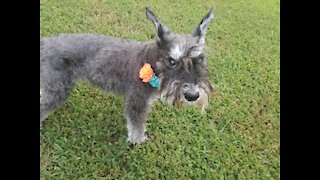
pixel 146 73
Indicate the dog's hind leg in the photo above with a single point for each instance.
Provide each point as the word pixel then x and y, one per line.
pixel 53 93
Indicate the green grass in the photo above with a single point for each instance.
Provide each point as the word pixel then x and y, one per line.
pixel 238 137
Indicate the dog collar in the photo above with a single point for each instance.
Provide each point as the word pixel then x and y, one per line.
pixel 147 75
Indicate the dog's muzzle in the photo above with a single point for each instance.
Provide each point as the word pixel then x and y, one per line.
pixel 185 94
pixel 191 96
pixel 194 95
pixel 190 92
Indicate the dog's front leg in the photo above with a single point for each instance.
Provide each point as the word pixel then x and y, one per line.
pixel 136 110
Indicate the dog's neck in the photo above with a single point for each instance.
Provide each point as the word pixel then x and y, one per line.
pixel 150 53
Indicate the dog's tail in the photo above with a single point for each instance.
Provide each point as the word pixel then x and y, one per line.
pixel 42 42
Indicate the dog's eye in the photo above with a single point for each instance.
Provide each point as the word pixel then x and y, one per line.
pixel 172 62
pixel 201 59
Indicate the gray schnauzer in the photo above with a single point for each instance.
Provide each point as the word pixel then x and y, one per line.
pixel 177 72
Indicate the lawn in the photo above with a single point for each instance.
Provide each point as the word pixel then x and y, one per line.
pixel 237 138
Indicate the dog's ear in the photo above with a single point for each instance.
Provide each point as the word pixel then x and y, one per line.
pixel 163 32
pixel 201 29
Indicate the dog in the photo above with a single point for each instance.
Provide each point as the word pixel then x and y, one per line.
pixel 172 68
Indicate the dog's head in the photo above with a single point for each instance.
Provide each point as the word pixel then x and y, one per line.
pixel 182 66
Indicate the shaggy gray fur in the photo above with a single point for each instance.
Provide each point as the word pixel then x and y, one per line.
pixel 113 64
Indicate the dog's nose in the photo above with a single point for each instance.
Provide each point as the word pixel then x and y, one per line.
pixel 191 96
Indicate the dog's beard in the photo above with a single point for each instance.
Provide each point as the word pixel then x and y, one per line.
pixel 172 94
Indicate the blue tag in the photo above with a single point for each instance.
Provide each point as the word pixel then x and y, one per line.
pixel 154 81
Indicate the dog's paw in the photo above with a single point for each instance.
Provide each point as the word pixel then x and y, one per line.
pixel 137 140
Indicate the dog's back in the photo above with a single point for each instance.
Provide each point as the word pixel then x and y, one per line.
pixel 75 48
pixel 96 58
